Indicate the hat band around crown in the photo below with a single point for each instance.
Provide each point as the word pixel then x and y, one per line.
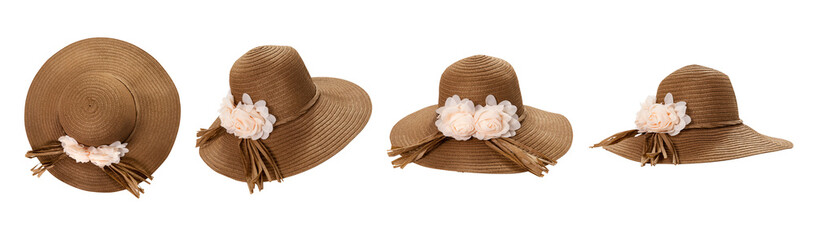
pixel 251 122
pixel 717 124
pixel 493 124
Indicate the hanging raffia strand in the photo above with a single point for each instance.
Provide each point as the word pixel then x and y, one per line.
pixel 204 135
pixel 529 159
pixel 51 154
pixel 416 151
pixel 658 146
pixel 258 162
pixel 522 155
pixel 127 175
pixel 255 158
pixel 616 138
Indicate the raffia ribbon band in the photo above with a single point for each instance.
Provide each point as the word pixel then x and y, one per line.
pixel 659 146
pixel 303 110
pixel 127 175
pixel 526 157
pixel 714 124
pixel 258 161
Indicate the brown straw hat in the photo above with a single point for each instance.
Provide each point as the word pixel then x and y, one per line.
pixel 102 91
pixel 542 138
pixel 715 132
pixel 312 118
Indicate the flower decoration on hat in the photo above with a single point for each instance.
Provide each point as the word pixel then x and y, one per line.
pixel 657 122
pixel 669 117
pixel 456 118
pixel 250 122
pixel 494 124
pixel 101 156
pixel 461 119
pixel 107 157
pixel 246 119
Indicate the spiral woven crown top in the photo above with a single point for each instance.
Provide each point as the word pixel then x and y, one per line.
pixel 275 74
pixel 97 109
pixel 708 93
pixel 479 76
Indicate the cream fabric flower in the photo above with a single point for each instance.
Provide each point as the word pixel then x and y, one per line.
pixel 100 156
pixel 669 117
pixel 496 120
pixel 246 119
pixel 74 149
pixel 455 118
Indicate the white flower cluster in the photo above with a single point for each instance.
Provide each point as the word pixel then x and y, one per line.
pixel 246 119
pixel 668 118
pixel 462 120
pixel 101 156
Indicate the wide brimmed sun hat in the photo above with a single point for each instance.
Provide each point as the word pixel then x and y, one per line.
pixel 696 122
pixel 278 121
pixel 101 115
pixel 480 125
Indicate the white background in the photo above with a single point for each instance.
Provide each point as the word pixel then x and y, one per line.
pixel 591 61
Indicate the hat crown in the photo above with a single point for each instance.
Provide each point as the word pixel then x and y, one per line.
pixel 708 92
pixel 96 108
pixel 275 74
pixel 479 76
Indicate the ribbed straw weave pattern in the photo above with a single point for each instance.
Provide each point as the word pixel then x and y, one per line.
pixel 479 76
pixel 708 93
pixel 97 109
pixel 276 74
pixel 475 78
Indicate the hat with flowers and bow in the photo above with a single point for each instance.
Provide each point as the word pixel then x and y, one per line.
pixel 692 119
pixel 277 121
pixel 481 125
pixel 101 115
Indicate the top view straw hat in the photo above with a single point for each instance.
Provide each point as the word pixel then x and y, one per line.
pixel 293 122
pixel 706 126
pixel 96 95
pixel 541 139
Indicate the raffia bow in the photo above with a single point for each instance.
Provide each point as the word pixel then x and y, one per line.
pixel 657 146
pixel 127 175
pixel 260 165
pixel 529 159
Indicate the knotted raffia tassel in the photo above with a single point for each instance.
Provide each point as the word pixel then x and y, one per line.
pixel 416 151
pixel 522 155
pixel 127 175
pixel 658 146
pixel 255 157
pixel 616 138
pixel 204 135
pixel 54 149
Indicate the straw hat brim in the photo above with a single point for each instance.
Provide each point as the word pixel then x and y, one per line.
pixel 708 145
pixel 159 108
pixel 340 113
pixel 549 133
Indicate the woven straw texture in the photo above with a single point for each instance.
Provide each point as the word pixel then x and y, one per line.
pixel 99 91
pixel 475 78
pixel 716 132
pixel 308 132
